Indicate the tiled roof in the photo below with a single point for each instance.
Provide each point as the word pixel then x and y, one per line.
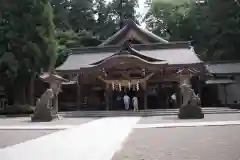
pixel 223 67
pixel 172 53
pixel 128 51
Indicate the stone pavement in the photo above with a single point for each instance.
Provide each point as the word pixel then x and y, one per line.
pixel 151 138
pixel 191 143
pixel 96 140
pixel 174 119
pixel 26 121
pixel 187 124
pixel 11 137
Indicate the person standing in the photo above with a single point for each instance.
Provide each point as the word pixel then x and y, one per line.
pixel 126 100
pixel 173 100
pixel 135 103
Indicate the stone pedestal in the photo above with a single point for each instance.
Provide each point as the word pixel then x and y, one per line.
pixel 190 112
pixel 45 115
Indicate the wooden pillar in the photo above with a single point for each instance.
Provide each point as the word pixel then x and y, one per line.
pixel 179 97
pixel 78 96
pixel 225 94
pixel 144 86
pixel 145 100
pixel 107 97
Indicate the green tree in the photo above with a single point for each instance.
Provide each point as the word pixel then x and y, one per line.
pixel 81 15
pixel 223 22
pixel 98 17
pixel 127 9
pixel 61 10
pixel 27 45
pixel 213 26
pixel 105 20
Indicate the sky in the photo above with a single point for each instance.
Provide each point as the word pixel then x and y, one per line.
pixel 141 8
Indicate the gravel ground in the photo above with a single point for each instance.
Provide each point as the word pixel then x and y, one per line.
pixel 195 143
pixel 26 121
pixel 174 119
pixel 12 137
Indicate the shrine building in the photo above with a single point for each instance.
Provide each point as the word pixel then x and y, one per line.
pixel 133 61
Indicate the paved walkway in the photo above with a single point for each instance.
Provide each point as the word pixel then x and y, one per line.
pixel 36 127
pixel 187 124
pixel 191 143
pixel 96 140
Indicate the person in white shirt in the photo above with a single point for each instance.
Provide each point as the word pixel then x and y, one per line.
pixel 174 97
pixel 135 103
pixel 173 100
pixel 126 100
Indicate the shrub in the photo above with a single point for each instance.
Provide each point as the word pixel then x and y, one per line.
pixel 190 112
pixel 18 109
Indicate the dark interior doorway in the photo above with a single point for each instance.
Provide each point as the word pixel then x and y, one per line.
pixel 160 96
pixel 209 96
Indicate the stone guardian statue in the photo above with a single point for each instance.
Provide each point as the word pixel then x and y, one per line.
pixel 43 110
pixel 190 107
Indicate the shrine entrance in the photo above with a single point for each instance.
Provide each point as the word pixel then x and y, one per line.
pixel 117 89
pixel 117 102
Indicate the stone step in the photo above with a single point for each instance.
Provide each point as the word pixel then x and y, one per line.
pixel 157 112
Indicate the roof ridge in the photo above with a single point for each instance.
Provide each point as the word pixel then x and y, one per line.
pixel 171 45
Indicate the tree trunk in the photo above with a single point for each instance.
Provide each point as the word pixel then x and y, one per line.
pixel 19 95
pixel 31 88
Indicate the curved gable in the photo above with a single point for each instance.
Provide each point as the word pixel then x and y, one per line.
pixel 132 31
pixel 127 50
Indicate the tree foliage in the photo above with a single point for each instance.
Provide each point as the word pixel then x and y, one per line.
pixel 100 17
pixel 88 22
pixel 27 43
pixel 35 34
pixel 213 26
